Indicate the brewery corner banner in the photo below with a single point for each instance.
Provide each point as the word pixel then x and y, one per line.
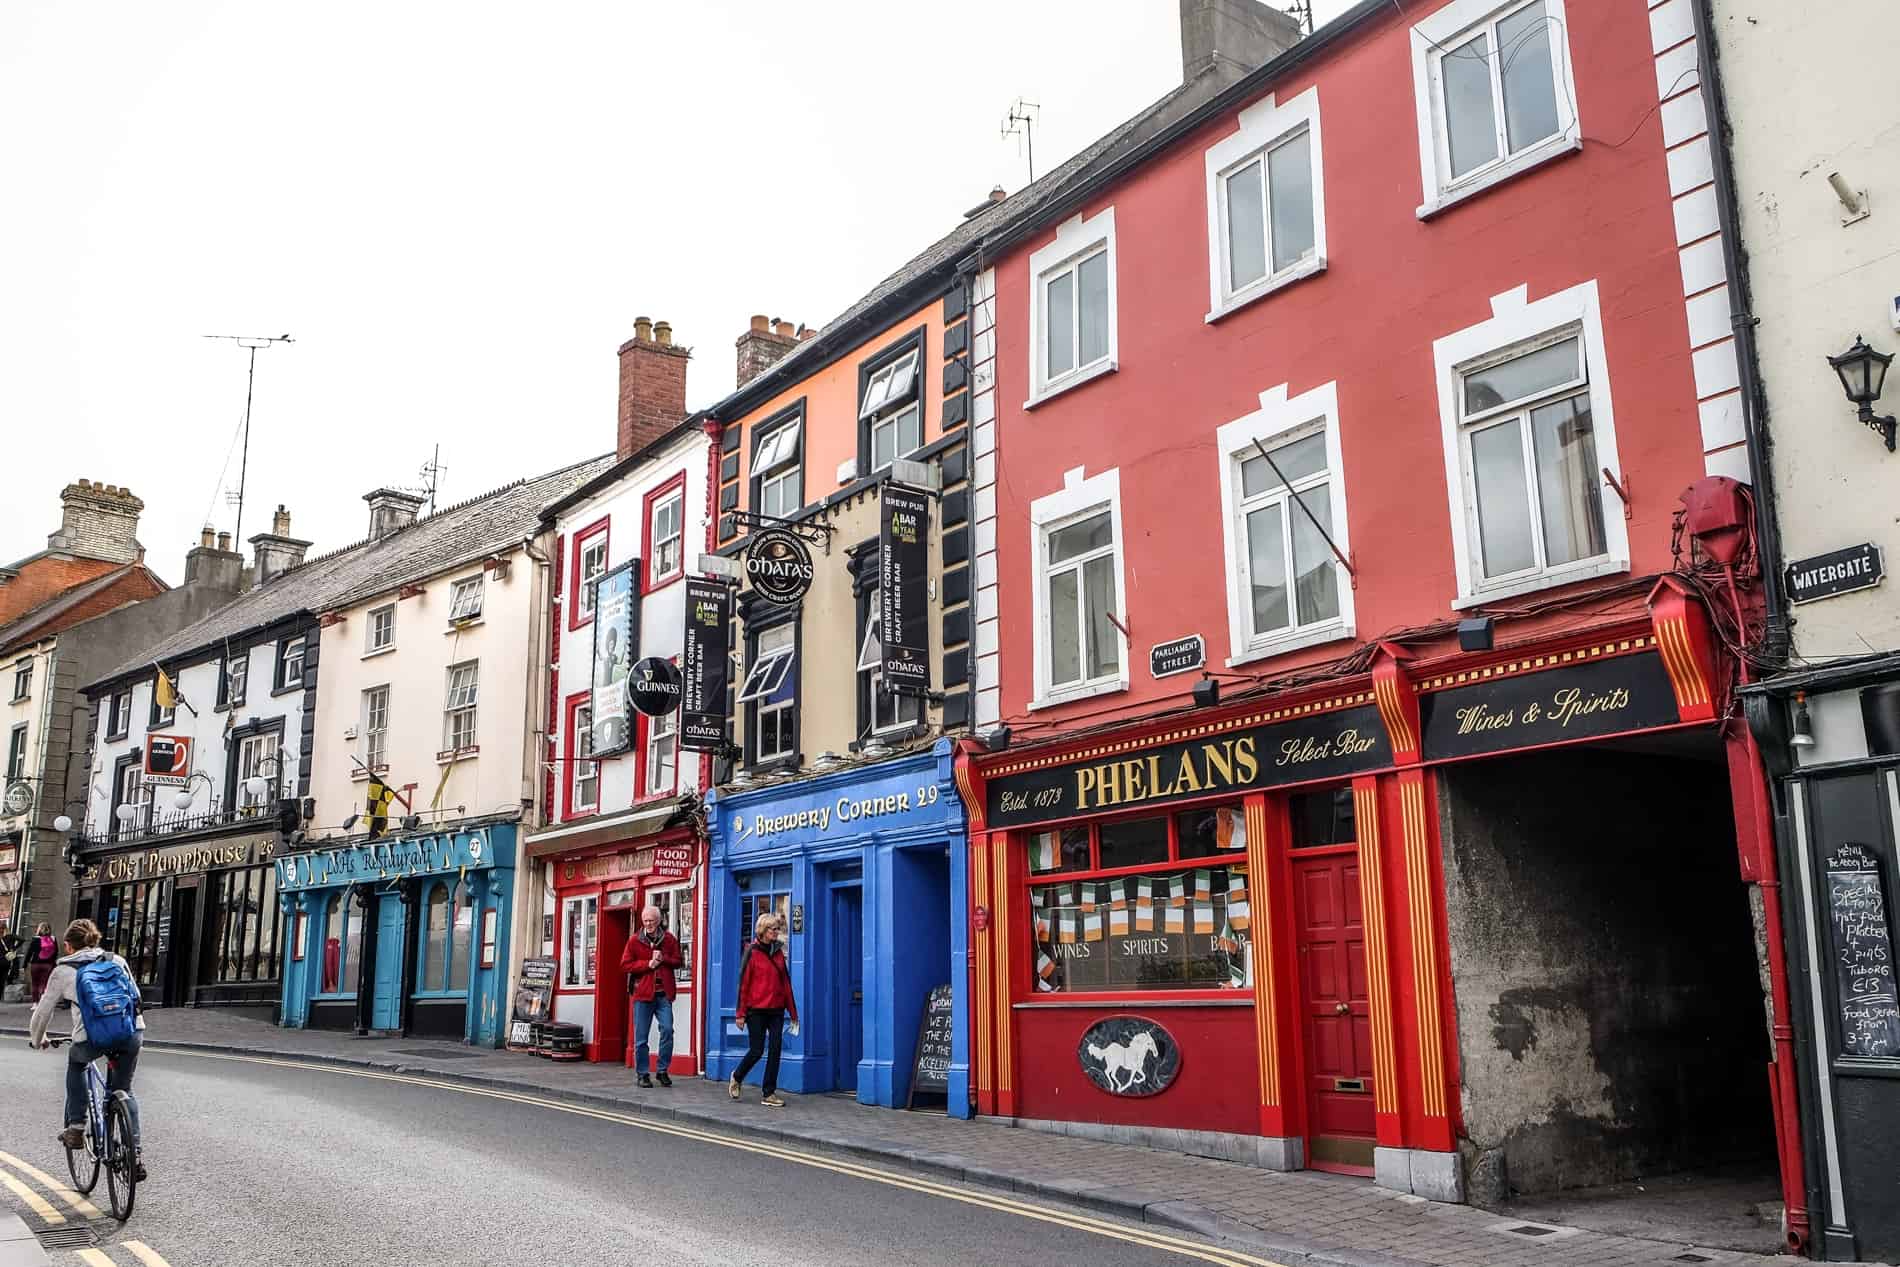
pixel 705 666
pixel 616 635
pixel 904 587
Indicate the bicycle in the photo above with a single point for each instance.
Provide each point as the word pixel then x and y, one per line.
pixel 110 1142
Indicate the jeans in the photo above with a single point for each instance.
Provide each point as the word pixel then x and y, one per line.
pixel 644 1014
pixel 118 1078
pixel 765 1032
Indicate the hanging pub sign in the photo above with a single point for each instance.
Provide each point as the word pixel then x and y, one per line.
pixel 1836 572
pixel 778 565
pixel 1180 656
pixel 706 669
pixel 1326 745
pixel 655 686
pixel 904 588
pixel 167 760
pixel 1586 700
pixel 616 635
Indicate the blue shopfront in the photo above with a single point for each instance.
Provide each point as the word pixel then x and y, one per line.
pixel 866 866
pixel 401 936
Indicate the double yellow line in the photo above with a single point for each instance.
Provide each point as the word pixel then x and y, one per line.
pixel 51 1215
pixel 1134 1235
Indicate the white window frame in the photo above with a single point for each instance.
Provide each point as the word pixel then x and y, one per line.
pixel 1263 125
pixel 470 706
pixel 16 751
pixel 371 646
pixel 660 730
pixel 1445 29
pixel 461 609
pixel 22 679
pixel 1517 323
pixel 1079 497
pixel 881 410
pixel 583 770
pixel 871 662
pixel 253 752
pixel 580 973
pixel 301 646
pixel 1075 240
pixel 780 458
pixel 1280 419
pixel 676 917
pixel 375 741
pixel 656 542
pixel 237 678
pixel 761 681
pixel 588 575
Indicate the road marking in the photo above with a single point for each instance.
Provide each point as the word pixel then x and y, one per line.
pixel 94 1258
pixel 37 1203
pixel 1080 1222
pixel 146 1254
pixel 75 1202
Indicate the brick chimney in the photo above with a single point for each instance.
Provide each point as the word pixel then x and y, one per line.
pixel 214 566
pixel 761 346
pixel 99 521
pixel 276 551
pixel 390 511
pixel 652 386
pixel 1232 37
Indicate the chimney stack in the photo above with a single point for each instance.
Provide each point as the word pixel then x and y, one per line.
pixel 276 551
pixel 214 566
pixel 390 511
pixel 205 537
pixel 652 386
pixel 1232 37
pixel 98 521
pixel 224 541
pixel 761 346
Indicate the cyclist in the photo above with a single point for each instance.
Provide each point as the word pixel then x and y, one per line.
pixel 82 947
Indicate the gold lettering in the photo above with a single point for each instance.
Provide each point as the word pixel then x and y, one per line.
pixel 1187 778
pixel 1087 780
pixel 1135 773
pixel 1111 784
pixel 1155 786
pixel 1220 759
pixel 1245 764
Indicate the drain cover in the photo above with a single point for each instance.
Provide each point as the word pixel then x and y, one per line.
pixel 446 1053
pixel 68 1236
pixel 1692 1258
pixel 1531 1229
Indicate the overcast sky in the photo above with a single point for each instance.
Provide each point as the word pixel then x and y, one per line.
pixel 458 210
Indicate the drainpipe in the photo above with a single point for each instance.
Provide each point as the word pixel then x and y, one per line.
pixel 1799 1189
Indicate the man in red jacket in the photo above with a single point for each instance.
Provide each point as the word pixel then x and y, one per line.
pixel 649 960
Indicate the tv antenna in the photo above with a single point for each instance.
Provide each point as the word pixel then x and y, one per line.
pixel 1020 122
pixel 253 342
pixel 431 476
pixel 1303 10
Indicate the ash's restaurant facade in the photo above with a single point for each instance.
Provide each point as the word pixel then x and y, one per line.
pixel 1234 924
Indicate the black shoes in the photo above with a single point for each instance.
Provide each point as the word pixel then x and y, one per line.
pixel 663 1079
pixel 73 1137
pixel 646 1081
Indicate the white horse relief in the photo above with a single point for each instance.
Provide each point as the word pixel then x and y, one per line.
pixel 1125 1065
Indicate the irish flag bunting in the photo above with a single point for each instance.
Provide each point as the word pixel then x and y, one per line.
pixel 1203 886
pixel 1238 912
pixel 1088 897
pixel 1065 927
pixel 1035 898
pixel 1045 851
pixel 1177 890
pixel 1230 829
pixel 1045 971
pixel 1176 919
pixel 1092 925
pixel 1118 919
pixel 1118 893
pixel 1145 905
pixel 1203 917
pixel 1042 927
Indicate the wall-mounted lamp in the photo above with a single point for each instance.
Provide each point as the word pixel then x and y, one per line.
pixel 1863 373
pixel 1206 693
pixel 997 739
pixel 1475 634
pixel 1803 736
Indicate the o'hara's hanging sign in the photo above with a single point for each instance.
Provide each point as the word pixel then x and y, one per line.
pixel 1319 745
pixel 778 565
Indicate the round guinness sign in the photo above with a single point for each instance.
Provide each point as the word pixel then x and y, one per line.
pixel 655 686
pixel 18 798
pixel 778 565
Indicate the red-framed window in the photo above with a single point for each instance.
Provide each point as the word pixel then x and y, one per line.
pixel 1142 904
pixel 589 561
pixel 663 522
pixel 580 779
pixel 656 768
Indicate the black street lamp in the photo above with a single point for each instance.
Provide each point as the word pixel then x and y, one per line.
pixel 1863 372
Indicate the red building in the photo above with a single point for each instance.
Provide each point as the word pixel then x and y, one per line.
pixel 1424 321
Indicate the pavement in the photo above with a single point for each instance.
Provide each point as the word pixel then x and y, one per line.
pixel 1297 1218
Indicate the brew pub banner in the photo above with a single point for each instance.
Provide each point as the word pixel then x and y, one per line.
pixel 904 588
pixel 705 666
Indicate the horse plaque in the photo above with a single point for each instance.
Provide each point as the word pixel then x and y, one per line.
pixel 1129 1055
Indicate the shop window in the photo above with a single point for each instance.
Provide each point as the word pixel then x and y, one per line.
pixel 299 930
pixel 676 916
pixel 1132 916
pixel 129 918
pixel 761 892
pixel 1322 818
pixel 433 971
pixel 342 946
pixel 245 942
pixel 580 920
pixel 461 934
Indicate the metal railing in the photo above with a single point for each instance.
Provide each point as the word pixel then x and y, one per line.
pixel 153 823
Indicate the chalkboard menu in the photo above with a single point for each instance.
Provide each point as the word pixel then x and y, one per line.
pixel 1863 953
pixel 534 995
pixel 931 1072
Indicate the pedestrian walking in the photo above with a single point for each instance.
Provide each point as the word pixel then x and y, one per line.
pixel 42 952
pixel 649 960
pixel 12 949
pixel 765 1002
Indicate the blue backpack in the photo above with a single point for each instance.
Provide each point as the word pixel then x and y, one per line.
pixel 108 1002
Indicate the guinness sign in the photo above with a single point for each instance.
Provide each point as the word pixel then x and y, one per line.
pixel 655 686
pixel 778 565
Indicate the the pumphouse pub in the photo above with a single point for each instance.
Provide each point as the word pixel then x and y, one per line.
pixel 1485 903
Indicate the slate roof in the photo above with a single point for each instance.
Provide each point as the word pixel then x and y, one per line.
pixel 447 539
pixel 38 622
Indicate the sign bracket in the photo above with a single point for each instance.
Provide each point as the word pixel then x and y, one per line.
pixel 811 530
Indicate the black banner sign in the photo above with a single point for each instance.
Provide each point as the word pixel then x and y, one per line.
pixel 904 588
pixel 1584 701
pixel 705 668
pixel 1836 572
pixel 1323 746
pixel 1866 991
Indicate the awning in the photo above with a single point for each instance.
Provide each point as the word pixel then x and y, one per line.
pixel 602 831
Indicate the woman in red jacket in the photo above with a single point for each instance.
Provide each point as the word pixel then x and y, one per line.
pixel 765 1000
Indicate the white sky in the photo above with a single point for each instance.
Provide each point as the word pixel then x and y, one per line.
pixel 458 213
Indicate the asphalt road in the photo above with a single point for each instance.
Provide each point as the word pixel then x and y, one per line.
pixel 266 1163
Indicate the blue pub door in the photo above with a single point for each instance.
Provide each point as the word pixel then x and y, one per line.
pixel 847 958
pixel 386 1006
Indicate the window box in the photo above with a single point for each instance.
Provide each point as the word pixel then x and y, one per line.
pixel 1072 307
pixel 1266 203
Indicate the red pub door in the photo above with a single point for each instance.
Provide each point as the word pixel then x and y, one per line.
pixel 1335 1012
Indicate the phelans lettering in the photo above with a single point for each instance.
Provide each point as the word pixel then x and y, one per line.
pixel 1211 767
